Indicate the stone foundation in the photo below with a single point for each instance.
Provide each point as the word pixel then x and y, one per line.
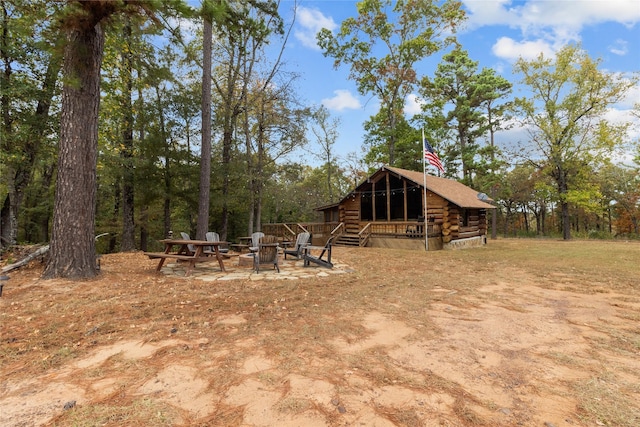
pixel 471 242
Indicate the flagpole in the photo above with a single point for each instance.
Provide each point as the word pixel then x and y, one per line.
pixel 424 178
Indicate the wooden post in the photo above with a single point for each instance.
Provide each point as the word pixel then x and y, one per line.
pixel 373 201
pixel 388 186
pixel 404 197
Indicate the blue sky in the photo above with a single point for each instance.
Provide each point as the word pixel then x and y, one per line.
pixel 496 34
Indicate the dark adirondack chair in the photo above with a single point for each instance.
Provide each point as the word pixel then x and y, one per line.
pixel 324 259
pixel 302 240
pixel 266 253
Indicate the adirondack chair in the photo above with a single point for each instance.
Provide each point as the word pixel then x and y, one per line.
pixel 185 236
pixel 266 253
pixel 212 236
pixel 302 240
pixel 255 239
pixel 324 259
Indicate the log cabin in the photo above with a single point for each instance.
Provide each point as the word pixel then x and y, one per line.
pixel 388 210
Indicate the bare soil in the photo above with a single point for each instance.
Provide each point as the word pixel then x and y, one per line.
pixel 518 333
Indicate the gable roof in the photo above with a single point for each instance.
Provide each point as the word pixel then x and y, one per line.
pixel 451 190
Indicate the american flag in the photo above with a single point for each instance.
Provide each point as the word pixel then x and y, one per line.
pixel 431 155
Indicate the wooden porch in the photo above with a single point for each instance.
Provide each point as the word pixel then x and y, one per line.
pixel 367 233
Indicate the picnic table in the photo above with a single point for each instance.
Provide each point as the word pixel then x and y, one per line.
pixel 245 244
pixel 192 251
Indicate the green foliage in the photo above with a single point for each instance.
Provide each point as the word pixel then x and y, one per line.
pixel 256 124
pixel 565 116
pixel 30 63
pixel 381 45
pixel 408 145
pixel 463 102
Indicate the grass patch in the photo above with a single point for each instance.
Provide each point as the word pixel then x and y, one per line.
pixel 603 401
pixel 141 411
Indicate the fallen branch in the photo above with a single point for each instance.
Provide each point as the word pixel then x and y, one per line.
pixel 41 251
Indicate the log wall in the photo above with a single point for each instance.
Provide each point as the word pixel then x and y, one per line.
pixel 436 208
pixel 350 214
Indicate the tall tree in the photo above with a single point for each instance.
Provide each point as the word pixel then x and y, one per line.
pixel 205 148
pixel 493 88
pixel 72 252
pixel 620 186
pixel 326 132
pixel 276 125
pixel 28 83
pixel 128 242
pixel 564 115
pixel 407 142
pixel 243 30
pixel 131 67
pixel 72 248
pixel 465 102
pixel 382 44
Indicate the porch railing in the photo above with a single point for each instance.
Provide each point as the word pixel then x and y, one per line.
pixel 290 230
pixel 339 230
pixel 322 230
pixel 363 235
pixel 403 229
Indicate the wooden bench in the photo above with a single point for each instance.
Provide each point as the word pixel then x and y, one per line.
pixel 180 257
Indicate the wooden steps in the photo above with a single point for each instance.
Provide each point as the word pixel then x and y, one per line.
pixel 348 239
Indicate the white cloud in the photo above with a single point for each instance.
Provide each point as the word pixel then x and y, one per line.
pixel 511 50
pixel 482 13
pixel 547 25
pixel 563 16
pixel 343 100
pixel 412 105
pixel 632 97
pixel 624 117
pixel 620 47
pixel 311 22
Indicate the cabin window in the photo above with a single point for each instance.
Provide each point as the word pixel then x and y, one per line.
pixel 464 218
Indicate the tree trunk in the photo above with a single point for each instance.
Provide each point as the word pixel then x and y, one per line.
pixel 494 216
pixel 73 251
pixel 113 240
pixel 44 220
pixel 8 218
pixel 166 173
pixel 564 205
pixel 202 225
pixel 128 242
pixel 7 224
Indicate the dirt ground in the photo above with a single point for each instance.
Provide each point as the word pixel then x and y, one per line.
pixel 519 333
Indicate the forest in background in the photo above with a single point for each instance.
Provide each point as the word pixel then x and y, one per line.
pixel 272 157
